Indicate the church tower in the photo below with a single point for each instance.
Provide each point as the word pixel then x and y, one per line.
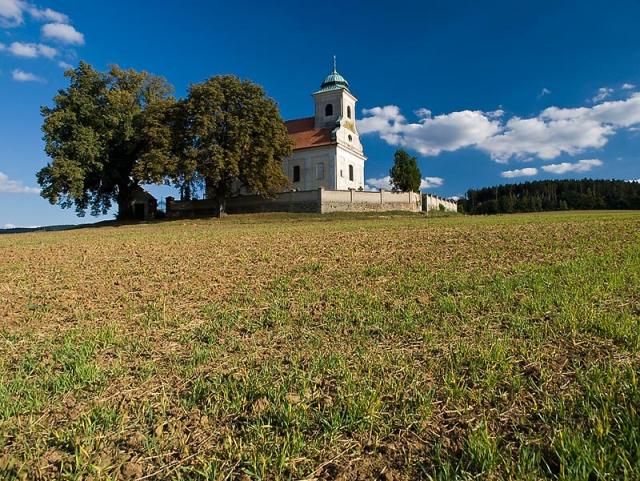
pixel 335 108
pixel 327 152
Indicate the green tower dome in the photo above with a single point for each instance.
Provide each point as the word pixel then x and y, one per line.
pixel 334 81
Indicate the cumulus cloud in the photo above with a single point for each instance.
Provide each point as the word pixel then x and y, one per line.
pixel 627 86
pixel 380 183
pixel 22 76
pixel 12 13
pixel 553 132
pixel 31 50
pixel 10 186
pixel 46 14
pixel 385 183
pixel 527 172
pixel 429 135
pixel 603 93
pixel 581 166
pixel 429 182
pixel 545 137
pixel 63 33
pixel 64 65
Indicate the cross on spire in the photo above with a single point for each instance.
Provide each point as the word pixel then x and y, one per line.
pixel 334 64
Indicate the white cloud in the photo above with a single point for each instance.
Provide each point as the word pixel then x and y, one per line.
pixel 10 186
pixel 12 13
pixel 627 86
pixel 64 65
pixel 31 50
pixel 603 93
pixel 545 138
pixel 47 14
pixel 557 130
pixel 527 172
pixel 553 132
pixel 385 183
pixel 429 182
pixel 543 92
pixel 430 135
pixel 63 33
pixel 2 47
pixel 13 226
pixel 22 76
pixel 581 166
pixel 377 184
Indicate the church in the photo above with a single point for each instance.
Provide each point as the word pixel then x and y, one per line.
pixel 325 170
pixel 327 152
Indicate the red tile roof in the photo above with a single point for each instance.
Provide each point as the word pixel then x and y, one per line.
pixel 304 135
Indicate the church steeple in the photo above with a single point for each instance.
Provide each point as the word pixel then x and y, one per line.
pixel 334 81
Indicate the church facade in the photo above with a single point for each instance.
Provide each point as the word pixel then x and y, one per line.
pixel 327 151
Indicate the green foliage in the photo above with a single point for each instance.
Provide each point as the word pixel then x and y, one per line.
pixel 231 133
pixel 548 195
pixel 99 128
pixel 405 174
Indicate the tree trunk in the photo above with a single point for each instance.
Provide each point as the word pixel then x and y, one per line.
pixel 222 206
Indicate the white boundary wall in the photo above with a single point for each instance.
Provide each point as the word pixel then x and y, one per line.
pixel 433 202
pixel 319 201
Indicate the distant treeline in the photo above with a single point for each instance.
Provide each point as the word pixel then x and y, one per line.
pixel 545 195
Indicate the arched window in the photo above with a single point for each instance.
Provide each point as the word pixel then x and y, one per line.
pixel 328 110
pixel 296 173
pixel 348 111
pixel 351 173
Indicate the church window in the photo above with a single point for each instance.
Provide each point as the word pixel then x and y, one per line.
pixel 328 110
pixel 351 173
pixel 348 111
pixel 319 171
pixel 296 173
pixel 341 174
pixel 350 138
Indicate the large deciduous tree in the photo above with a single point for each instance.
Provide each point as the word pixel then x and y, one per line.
pixel 232 134
pixel 106 133
pixel 405 174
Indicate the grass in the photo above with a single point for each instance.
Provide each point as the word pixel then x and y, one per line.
pixel 277 347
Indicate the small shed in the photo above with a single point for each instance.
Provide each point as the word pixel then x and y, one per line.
pixel 143 204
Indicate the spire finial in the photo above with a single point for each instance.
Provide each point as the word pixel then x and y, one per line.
pixel 334 64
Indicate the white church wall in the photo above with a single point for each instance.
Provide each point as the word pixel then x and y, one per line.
pixel 346 158
pixel 309 160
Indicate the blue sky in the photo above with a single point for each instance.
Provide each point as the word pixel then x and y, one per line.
pixel 482 92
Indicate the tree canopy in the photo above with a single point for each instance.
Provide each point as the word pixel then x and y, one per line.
pixel 99 128
pixel 405 174
pixel 107 133
pixel 231 135
pixel 546 195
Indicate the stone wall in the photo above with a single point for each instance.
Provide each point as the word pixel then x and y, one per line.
pixel 360 201
pixel 318 201
pixel 433 202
